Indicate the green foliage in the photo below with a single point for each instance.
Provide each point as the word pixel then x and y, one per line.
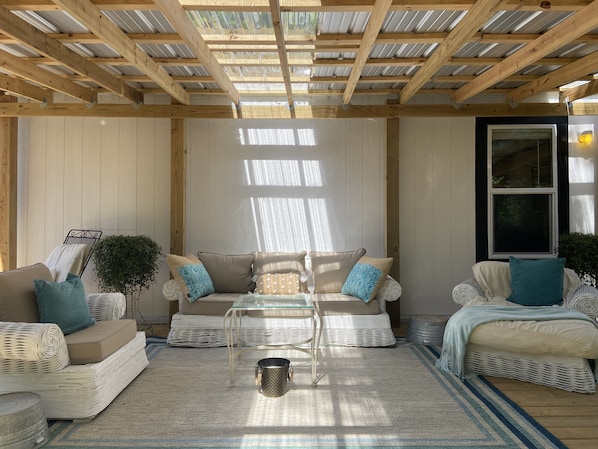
pixel 581 251
pixel 126 263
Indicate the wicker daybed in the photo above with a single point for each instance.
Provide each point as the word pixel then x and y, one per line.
pixel 558 354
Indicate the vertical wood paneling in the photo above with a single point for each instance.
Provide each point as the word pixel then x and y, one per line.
pixel 333 163
pixel 55 210
pixel 354 186
pixel 436 211
pixel 91 171
pixel 36 194
pixel 127 174
pixel 109 144
pixel 73 180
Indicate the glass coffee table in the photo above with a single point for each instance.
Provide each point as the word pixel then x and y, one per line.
pixel 289 303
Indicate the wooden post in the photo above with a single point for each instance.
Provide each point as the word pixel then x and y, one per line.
pixel 392 210
pixel 177 192
pixel 8 189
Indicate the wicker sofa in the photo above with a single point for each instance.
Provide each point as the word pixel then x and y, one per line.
pixel 557 353
pixel 79 374
pixel 347 320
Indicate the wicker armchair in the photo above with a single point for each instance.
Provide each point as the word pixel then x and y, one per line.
pixel 559 370
pixel 35 357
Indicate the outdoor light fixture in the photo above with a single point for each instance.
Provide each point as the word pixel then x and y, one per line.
pixel 586 137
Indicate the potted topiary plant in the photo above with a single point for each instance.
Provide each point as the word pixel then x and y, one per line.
pixel 127 264
pixel 581 252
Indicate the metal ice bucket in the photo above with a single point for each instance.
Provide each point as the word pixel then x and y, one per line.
pixel 272 375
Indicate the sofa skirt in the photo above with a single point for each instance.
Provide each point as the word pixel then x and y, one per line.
pixel 338 330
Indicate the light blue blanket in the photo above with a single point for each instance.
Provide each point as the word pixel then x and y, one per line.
pixel 461 324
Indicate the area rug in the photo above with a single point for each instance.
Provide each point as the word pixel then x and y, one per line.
pixel 365 398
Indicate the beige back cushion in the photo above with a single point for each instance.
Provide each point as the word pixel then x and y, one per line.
pixel 495 278
pixel 277 262
pixel 330 269
pixel 17 293
pixel 230 273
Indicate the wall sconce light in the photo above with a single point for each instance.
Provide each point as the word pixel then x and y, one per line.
pixel 586 137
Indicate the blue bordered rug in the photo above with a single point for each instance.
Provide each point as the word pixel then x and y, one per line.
pixel 366 398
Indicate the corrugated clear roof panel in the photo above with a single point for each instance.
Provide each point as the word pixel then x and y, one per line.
pixel 421 21
pixel 54 21
pixel 342 22
pixel 225 23
pixel 524 21
pixel 140 21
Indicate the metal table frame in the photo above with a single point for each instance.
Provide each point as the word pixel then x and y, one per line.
pixel 233 326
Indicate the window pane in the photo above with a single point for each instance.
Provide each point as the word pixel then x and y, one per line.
pixel 522 158
pixel 522 223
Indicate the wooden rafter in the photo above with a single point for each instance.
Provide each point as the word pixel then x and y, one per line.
pixel 571 72
pixel 113 36
pixel 369 38
pixel 479 13
pixel 28 34
pixel 31 72
pixel 280 45
pixel 20 88
pixel 177 16
pixel 303 5
pixel 571 28
pixel 575 93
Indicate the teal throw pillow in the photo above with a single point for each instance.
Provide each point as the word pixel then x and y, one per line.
pixel 536 282
pixel 197 280
pixel 366 277
pixel 63 303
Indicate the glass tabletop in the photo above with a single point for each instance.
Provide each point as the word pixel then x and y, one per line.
pixel 260 302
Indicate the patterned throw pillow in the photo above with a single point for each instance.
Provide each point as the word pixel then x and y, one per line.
pixel 278 284
pixel 191 276
pixel 366 278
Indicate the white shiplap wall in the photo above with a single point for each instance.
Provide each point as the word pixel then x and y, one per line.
pixel 437 211
pixel 94 173
pixel 114 174
pixel 286 185
pixel 252 185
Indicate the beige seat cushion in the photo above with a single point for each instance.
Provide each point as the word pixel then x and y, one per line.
pixel 97 342
pixel 339 304
pixel 330 269
pixel 17 293
pixel 575 338
pixel 215 304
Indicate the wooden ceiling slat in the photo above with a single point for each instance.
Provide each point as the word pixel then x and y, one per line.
pixel 574 26
pixel 114 37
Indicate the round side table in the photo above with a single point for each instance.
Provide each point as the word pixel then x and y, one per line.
pixel 426 329
pixel 22 421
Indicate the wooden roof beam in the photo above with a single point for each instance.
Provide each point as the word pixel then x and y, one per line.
pixel 181 22
pixel 587 65
pixel 576 93
pixel 569 29
pixel 302 5
pixel 369 39
pixel 20 88
pixel 31 72
pixel 90 16
pixel 479 14
pixel 280 45
pixel 38 40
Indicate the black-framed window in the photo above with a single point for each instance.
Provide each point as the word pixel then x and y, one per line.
pixel 522 190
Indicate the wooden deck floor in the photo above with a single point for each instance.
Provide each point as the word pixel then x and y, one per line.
pixel 571 417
